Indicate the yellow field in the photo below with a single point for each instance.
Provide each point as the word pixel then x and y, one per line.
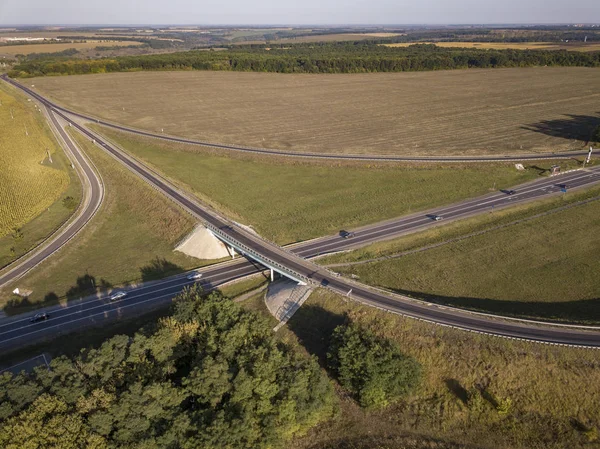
pixel 25 49
pixel 492 111
pixel 578 46
pixel 324 38
pixel 28 182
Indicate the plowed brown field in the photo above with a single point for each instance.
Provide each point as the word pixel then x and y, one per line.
pixel 447 112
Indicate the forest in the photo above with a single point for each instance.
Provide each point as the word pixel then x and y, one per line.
pixel 334 57
pixel 210 374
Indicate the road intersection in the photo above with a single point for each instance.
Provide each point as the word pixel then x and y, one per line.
pixel 15 332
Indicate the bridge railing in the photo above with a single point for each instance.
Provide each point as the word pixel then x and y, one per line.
pixel 257 256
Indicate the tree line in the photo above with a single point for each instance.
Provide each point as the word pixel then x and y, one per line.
pixel 337 57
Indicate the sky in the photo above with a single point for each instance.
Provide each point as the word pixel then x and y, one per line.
pixel 296 12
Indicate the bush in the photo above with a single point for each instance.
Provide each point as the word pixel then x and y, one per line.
pixel 70 203
pixel 374 370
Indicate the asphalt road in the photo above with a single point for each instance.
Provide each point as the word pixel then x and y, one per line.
pixel 93 194
pixel 281 153
pixel 13 338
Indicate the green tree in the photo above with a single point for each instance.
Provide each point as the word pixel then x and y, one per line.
pixel 210 375
pixel 596 135
pixel 371 368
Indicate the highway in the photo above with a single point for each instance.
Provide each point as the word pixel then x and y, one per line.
pixel 93 194
pixel 299 264
pixel 281 153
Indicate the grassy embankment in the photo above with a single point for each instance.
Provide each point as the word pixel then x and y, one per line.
pixel 552 390
pixel 290 200
pixel 131 239
pixel 541 267
pixel 497 111
pixel 32 188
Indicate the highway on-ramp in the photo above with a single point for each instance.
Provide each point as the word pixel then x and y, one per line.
pixel 301 267
pixel 93 194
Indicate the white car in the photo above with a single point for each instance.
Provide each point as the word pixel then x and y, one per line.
pixel 117 295
pixel 194 276
pixel 438 218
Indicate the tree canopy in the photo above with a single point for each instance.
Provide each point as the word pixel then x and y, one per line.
pixel 371 368
pixel 210 375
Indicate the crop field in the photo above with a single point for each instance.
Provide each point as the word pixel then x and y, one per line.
pixel 552 390
pixel 497 111
pixel 576 46
pixel 541 267
pixel 338 37
pixel 290 200
pixel 25 49
pixel 131 239
pixel 29 183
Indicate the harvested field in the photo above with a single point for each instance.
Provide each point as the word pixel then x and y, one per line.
pixel 498 111
pixel 29 183
pixel 338 37
pixel 25 49
pixel 576 46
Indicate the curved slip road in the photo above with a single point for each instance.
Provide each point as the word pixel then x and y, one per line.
pixel 281 153
pixel 93 195
pixel 298 265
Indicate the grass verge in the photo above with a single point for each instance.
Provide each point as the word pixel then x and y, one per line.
pixel 131 239
pixel 536 261
pixel 289 200
pixel 552 390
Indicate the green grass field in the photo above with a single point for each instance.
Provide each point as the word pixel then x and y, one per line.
pixel 545 267
pixel 553 390
pixel 290 200
pixel 32 188
pixel 131 239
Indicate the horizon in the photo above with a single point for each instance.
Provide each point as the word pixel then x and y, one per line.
pixel 310 12
pixel 299 25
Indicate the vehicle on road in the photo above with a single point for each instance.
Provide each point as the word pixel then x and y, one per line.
pixel 346 234
pixel 117 295
pixel 438 217
pixel 194 276
pixel 510 192
pixel 42 316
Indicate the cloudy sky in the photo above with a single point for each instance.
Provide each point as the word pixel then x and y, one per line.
pixel 297 12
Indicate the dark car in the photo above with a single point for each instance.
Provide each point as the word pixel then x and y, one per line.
pixel 42 316
pixel 510 192
pixel 346 234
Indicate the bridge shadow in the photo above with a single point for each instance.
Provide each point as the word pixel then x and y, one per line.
pixel 582 311
pixel 575 127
